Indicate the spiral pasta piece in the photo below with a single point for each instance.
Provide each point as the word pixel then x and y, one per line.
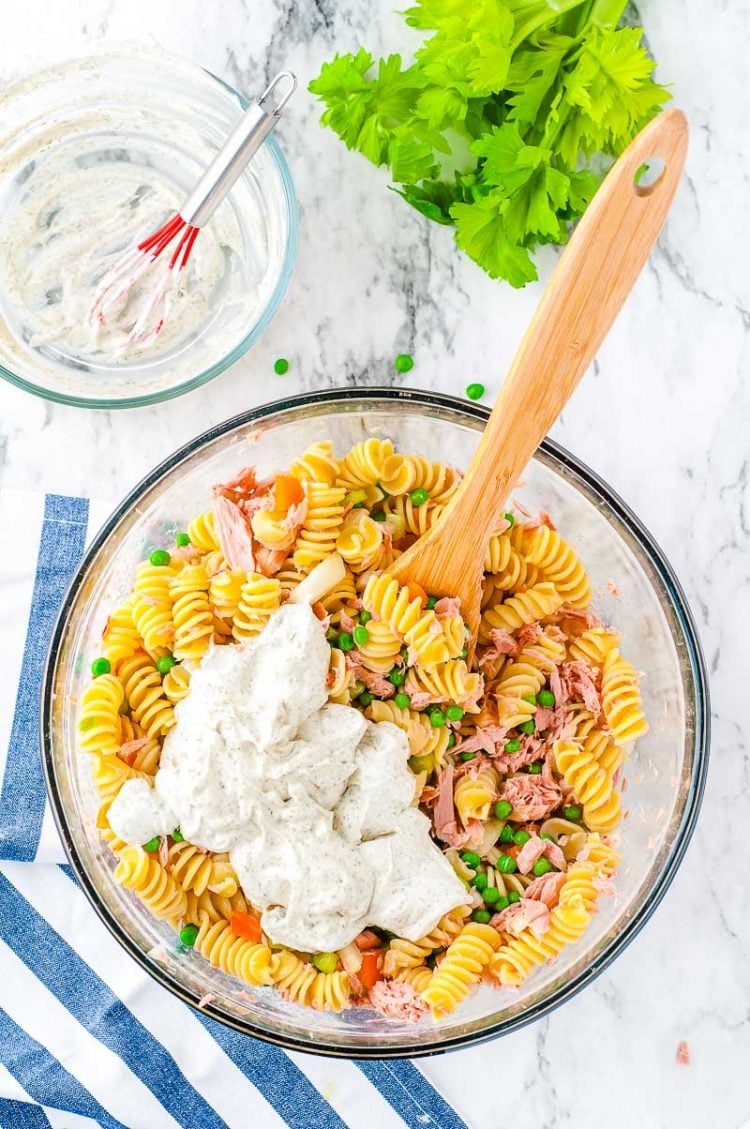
pixel 474 795
pixel 202 532
pixel 143 690
pixel 322 525
pixel 593 645
pixel 450 681
pixel 600 854
pixel 516 960
pixel 404 517
pixel 142 873
pixel 120 638
pixel 260 596
pixel 99 717
pixel 424 738
pixel 271 528
pixel 110 773
pixel 591 785
pixel 317 464
pixel 462 967
pixel 146 755
pixel 151 604
pixel 419 977
pixel 340 679
pixel 224 949
pixel 401 474
pixel 558 562
pixel 293 977
pixel 419 627
pixel 508 569
pixel 213 562
pixel 383 647
pixel 621 699
pixel 363 465
pixel 330 991
pixel 214 905
pixel 535 603
pixel 519 681
pixel 176 683
pixel 225 592
pixel 191 867
pixel 360 542
pixel 192 615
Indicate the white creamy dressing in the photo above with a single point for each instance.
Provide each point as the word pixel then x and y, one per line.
pixel 95 154
pixel 311 800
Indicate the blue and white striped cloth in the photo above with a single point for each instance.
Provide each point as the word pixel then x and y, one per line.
pixel 86 1037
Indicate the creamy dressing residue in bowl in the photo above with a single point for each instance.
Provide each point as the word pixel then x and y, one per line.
pixel 95 154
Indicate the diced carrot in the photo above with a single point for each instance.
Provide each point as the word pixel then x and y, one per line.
pixel 288 491
pixel 245 925
pixel 417 592
pixel 372 968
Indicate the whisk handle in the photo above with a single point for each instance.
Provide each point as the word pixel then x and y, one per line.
pixel 241 145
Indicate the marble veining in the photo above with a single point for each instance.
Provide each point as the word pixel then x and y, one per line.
pixel 664 416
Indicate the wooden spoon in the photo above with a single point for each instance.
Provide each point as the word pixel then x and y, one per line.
pixel 594 276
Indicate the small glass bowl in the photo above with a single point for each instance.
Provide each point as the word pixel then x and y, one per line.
pixel 149 108
pixel 665 772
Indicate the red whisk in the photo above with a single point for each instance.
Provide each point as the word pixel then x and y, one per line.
pixel 184 226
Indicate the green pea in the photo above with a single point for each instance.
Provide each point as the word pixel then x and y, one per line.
pixel 346 641
pixel 510 519
pixel 547 699
pixel 520 837
pixel 182 540
pixel 507 865
pixel 528 727
pixel 513 896
pixel 530 698
pixel 481 916
pixel 281 366
pixel 379 516
pixel 549 838
pixel 100 666
pixel 177 836
pixel 365 617
pixel 451 740
pixel 152 845
pixel 479 882
pixel 572 812
pixel 365 698
pixel 325 962
pixel 361 635
pixel 467 756
pixel 541 866
pixel 475 391
pixel 188 935
pixel 454 713
pixel 397 677
pixel 437 718
pixel 464 653
pixel 503 809
pixel 535 768
pixel 403 701
pixel 160 557
pixel 491 896
pixel 512 746
pixel 165 664
pixel 471 858
pixel 419 496
pixel 431 601
pixel 506 835
pixel 404 362
pixel 502 903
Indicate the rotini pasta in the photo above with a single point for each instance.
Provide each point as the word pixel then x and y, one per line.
pixel 521 743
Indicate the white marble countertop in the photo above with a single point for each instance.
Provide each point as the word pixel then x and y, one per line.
pixel 664 416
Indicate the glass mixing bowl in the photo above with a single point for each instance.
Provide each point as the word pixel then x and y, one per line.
pixel 665 772
pixel 148 123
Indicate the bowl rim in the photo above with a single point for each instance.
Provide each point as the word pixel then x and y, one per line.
pixel 270 310
pixel 683 833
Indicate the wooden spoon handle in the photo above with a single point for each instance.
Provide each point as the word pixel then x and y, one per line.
pixel 593 278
